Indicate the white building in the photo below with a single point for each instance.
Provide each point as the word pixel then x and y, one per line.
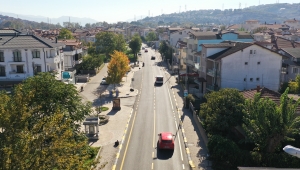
pixel 242 66
pixel 23 56
pixel 179 36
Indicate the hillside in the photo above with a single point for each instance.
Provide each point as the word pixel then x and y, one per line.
pixel 17 23
pixel 269 13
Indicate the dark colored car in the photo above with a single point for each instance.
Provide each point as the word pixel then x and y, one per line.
pixel 152 57
pixel 165 141
pixel 146 50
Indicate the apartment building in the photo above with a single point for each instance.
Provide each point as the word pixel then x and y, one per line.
pixel 23 56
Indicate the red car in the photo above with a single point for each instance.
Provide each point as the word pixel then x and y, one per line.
pixel 146 50
pixel 165 141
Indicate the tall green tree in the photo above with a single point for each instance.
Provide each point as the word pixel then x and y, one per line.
pixel 267 125
pixel 223 110
pixel 105 41
pixel 120 43
pixel 151 36
pixel 135 44
pixel 117 67
pixel 64 33
pixel 40 127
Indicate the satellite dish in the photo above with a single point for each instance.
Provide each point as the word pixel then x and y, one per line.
pixel 292 150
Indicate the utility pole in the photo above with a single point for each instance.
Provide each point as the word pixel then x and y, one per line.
pixel 179 8
pixel 185 8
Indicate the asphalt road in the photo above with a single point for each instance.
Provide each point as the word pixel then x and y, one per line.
pixel 154 112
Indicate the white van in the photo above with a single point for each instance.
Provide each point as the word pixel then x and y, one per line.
pixel 159 79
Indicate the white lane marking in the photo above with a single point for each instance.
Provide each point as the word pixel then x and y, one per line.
pixel 179 144
pixel 182 166
pixel 170 99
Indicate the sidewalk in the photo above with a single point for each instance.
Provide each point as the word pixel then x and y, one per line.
pixel 195 142
pixel 114 129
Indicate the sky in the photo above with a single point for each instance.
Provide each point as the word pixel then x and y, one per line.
pixel 120 10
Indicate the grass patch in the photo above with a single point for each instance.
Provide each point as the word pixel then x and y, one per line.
pixel 93 151
pixel 104 109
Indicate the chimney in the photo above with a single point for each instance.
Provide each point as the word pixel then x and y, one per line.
pixel 258 88
pixel 294 19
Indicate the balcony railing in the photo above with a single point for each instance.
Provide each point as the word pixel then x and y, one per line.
pixel 212 88
pixel 15 72
pixel 212 72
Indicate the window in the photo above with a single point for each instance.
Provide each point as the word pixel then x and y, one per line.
pixel 17 56
pixel 295 70
pixel 251 52
pixel 258 63
pixel 20 69
pixel 2 70
pixel 257 79
pixel 58 65
pixel 36 54
pixel 254 51
pixel 251 79
pixel 1 56
pixel 37 69
pixel 246 63
pixel 245 79
pixel 47 54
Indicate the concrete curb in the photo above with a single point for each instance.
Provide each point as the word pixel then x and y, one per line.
pixel 122 141
pixel 97 156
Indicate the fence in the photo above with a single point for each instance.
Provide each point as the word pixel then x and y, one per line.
pixel 199 126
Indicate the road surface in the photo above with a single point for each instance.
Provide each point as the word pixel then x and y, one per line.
pixel 154 112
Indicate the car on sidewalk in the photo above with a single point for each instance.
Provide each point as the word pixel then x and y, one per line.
pixel 152 57
pixel 146 50
pixel 103 81
pixel 165 141
pixel 139 53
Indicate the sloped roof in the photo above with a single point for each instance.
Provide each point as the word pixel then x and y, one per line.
pixel 295 52
pixel 8 31
pixel 284 43
pixel 237 47
pixel 220 45
pixel 27 41
pixel 205 35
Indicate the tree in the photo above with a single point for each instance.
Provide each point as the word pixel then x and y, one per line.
pixel 135 44
pixel 40 127
pixel 267 125
pixel 91 62
pixel 120 43
pixel 117 67
pixel 222 111
pixel 64 33
pixel 88 25
pixel 105 41
pixel 151 36
pixel 163 48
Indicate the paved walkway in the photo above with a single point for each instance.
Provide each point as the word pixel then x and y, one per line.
pixel 114 129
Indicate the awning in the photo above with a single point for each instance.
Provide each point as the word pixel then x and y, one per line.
pixel 66 75
pixel 190 74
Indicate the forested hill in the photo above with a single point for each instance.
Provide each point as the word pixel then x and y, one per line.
pixel 270 13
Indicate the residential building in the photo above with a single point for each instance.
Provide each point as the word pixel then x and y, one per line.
pixel 73 52
pixel 23 56
pixel 293 23
pixel 242 66
pixel 179 36
pixel 178 64
pixel 196 39
pixel 117 31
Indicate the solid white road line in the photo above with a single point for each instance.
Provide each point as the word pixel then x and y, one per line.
pixel 179 143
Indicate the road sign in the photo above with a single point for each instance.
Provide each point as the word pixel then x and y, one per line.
pixel 185 93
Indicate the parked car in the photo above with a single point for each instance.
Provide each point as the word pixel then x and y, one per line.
pixel 143 48
pixel 146 50
pixel 103 82
pixel 165 141
pixel 139 53
pixel 152 57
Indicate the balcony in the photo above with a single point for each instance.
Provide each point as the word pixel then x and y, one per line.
pixel 14 72
pixel 53 59
pixel 212 72
pixel 190 62
pixel 212 88
pixel 71 53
